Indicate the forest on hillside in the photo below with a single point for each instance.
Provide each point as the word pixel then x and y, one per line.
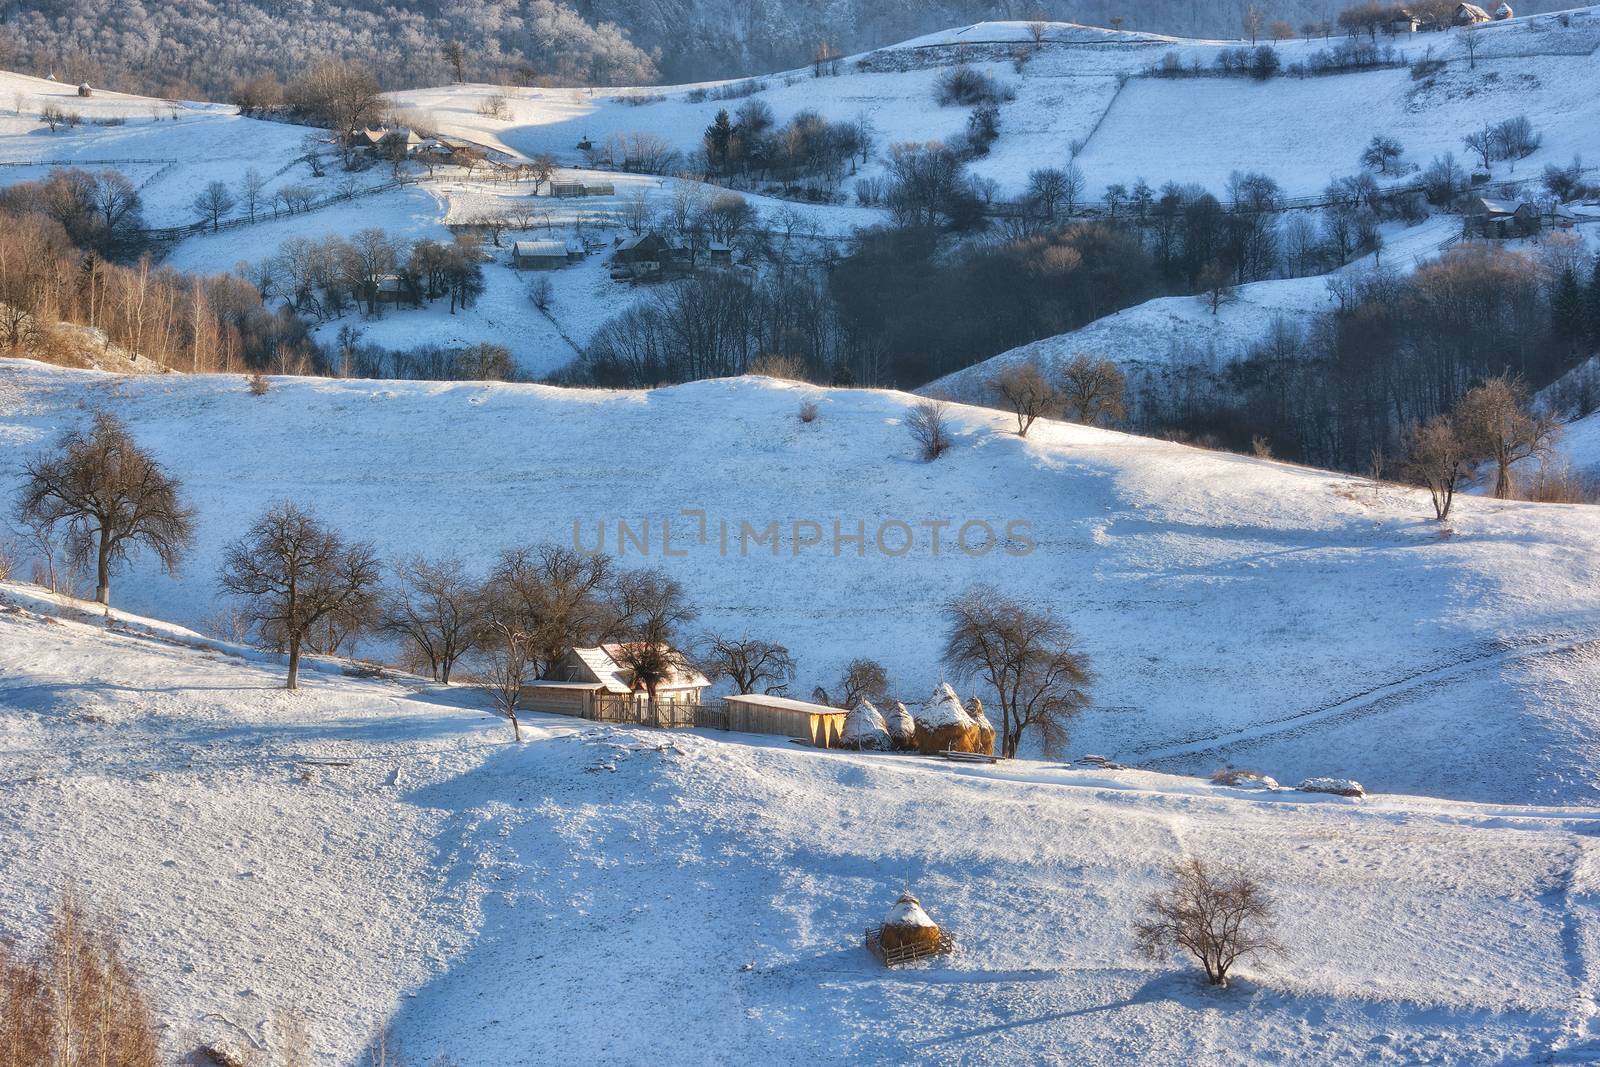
pixel 196 48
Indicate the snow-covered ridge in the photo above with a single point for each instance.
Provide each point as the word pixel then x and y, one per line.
pixel 1235 610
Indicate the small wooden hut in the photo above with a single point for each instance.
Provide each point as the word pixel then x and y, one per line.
pixel 763 713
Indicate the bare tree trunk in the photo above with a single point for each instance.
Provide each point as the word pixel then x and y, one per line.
pixel 294 662
pixel 102 588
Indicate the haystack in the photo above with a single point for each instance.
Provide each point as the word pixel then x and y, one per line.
pixel 943 724
pixel 902 728
pixel 985 727
pixel 908 925
pixel 864 728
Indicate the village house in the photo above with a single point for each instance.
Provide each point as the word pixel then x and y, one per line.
pixel 759 713
pixel 1471 15
pixel 648 254
pixel 1403 21
pixel 592 684
pixel 1500 219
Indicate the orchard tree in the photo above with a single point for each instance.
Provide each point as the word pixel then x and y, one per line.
pixel 1024 389
pixel 292 574
pixel 753 665
pixel 437 609
pixel 1496 422
pixel 213 202
pixel 109 498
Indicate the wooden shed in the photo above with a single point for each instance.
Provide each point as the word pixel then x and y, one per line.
pixel 1500 219
pixel 540 255
pixel 758 713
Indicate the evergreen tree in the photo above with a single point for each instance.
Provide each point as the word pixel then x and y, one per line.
pixel 1567 313
pixel 719 141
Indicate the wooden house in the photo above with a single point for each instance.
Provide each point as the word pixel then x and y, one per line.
pixel 649 253
pixel 591 683
pixel 1471 15
pixel 757 713
pixel 1500 219
pixel 1403 21
pixel 540 255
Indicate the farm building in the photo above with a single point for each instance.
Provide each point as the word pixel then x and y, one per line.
pixel 392 289
pixel 757 713
pixel 591 683
pixel 599 189
pixel 570 189
pixel 1470 15
pixel 1403 21
pixel 649 253
pixel 566 189
pixel 540 255
pixel 1500 219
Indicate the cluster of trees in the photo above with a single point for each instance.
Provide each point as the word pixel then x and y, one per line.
pixel 1493 425
pixel 1087 390
pixel 206 53
pixel 184 321
pixel 325 277
pixel 807 153
pixel 1399 351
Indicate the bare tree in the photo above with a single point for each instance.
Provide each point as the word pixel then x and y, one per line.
pixel 1217 913
pixel 250 191
pixel 652 608
pixel 506 670
pixel 110 497
pixel 863 679
pixel 213 202
pixel 1254 20
pixel 1494 420
pixel 435 608
pixel 556 596
pixel 293 574
pixel 1469 43
pixel 929 425
pixel 1027 392
pixel 1047 187
pixel 754 665
pixel 1092 390
pixel 1026 656
pixel 1217 285
pixel 1434 456
pixel 1036 30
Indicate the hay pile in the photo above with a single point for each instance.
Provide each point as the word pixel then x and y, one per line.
pixel 908 924
pixel 864 728
pixel 902 728
pixel 985 727
pixel 943 724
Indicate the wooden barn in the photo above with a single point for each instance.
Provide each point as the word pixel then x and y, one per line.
pixel 756 713
pixel 1501 219
pixel 591 684
pixel 540 255
pixel 1471 15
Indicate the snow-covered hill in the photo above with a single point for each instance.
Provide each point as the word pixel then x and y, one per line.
pixel 1235 609
pixel 1082 86
pixel 364 852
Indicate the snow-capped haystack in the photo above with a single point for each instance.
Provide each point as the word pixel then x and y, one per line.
pixel 902 727
pixel 943 724
pixel 864 728
pixel 985 727
pixel 907 924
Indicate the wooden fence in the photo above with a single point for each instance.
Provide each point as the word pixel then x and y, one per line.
pixel 660 713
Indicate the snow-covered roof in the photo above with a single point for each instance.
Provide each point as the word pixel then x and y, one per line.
pixel 601 661
pixel 786 703
pixel 553 249
pixel 1501 207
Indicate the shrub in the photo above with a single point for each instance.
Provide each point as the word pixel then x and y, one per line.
pixel 1215 912
pixel 1562 485
pixel 968 87
pixel 257 383
pixel 75 1000
pixel 929 426
pixel 808 411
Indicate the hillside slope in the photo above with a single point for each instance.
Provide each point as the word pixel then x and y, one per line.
pixel 1234 609
pixel 366 852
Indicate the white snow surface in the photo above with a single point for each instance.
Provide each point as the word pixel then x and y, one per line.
pixel 365 851
pixel 1234 610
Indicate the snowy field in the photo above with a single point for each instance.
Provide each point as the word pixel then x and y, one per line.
pixel 365 852
pixel 1083 86
pixel 1236 610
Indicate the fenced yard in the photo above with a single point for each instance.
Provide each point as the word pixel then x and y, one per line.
pixel 711 715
